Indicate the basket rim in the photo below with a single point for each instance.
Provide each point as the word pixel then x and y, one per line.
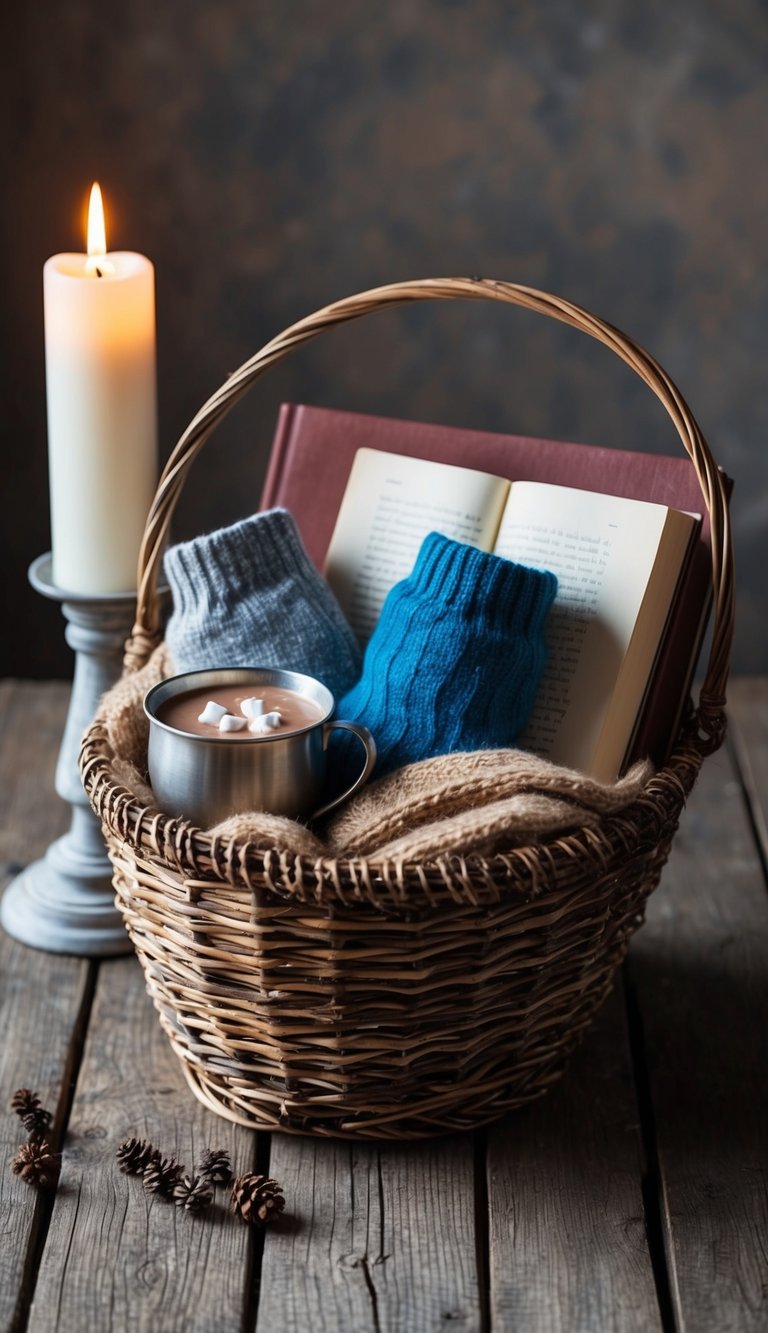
pixel 207 861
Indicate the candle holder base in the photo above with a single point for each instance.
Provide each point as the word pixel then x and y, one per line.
pixel 64 902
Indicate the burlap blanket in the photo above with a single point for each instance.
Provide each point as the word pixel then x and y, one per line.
pixel 480 802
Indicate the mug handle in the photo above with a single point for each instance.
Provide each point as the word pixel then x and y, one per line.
pixel 369 745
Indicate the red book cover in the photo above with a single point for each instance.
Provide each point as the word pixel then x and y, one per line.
pixel 313 452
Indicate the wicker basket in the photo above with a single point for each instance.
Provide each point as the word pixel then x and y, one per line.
pixel 355 999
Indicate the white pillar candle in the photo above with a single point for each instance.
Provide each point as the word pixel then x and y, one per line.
pixel 102 412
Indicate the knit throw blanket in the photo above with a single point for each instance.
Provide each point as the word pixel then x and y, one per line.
pixel 480 802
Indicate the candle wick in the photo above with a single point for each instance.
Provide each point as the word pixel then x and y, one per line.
pixel 99 273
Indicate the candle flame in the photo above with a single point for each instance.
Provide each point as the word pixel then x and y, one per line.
pixel 96 262
pixel 97 236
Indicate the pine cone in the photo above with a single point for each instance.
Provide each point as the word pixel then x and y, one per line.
pixel 134 1155
pixel 257 1199
pixel 194 1193
pixel 36 1164
pixel 37 1123
pixel 161 1175
pixel 215 1166
pixel 25 1102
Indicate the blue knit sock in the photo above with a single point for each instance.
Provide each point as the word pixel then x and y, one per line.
pixel 456 658
pixel 249 595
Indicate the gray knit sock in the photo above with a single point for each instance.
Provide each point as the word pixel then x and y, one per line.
pixel 249 595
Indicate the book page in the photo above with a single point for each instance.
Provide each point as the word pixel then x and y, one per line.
pixel 390 505
pixel 603 550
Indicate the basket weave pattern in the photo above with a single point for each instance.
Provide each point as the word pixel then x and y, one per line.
pixel 361 999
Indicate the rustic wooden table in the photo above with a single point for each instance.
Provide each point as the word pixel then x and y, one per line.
pixel 634 1197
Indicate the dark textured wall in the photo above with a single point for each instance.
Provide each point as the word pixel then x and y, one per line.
pixel 270 158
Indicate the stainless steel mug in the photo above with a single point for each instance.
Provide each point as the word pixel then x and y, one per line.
pixel 207 778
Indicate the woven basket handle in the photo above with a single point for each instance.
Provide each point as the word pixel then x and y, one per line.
pixel 146 632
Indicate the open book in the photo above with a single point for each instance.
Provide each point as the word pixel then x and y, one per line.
pixel 314 449
pixel 618 562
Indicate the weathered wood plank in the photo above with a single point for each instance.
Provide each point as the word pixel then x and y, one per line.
pixel 32 716
pixel 116 1257
pixel 41 995
pixel 748 735
pixel 381 1238
pixel 700 970
pixel 568 1247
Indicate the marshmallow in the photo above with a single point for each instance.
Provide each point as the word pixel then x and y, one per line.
pixel 231 723
pixel 258 726
pixel 252 708
pixel 212 713
pixel 261 726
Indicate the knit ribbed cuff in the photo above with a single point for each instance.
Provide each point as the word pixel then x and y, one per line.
pixel 256 553
pixel 487 585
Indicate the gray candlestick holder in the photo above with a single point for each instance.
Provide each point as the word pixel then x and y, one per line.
pixel 65 902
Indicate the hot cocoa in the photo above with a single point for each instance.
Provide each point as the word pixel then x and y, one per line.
pixel 197 774
pixel 240 711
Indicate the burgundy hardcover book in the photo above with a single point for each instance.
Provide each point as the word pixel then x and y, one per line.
pixel 311 459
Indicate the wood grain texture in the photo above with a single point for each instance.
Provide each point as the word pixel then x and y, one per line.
pixel 700 972
pixel 567 1233
pixel 748 712
pixel 380 1238
pixel 41 994
pixel 116 1257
